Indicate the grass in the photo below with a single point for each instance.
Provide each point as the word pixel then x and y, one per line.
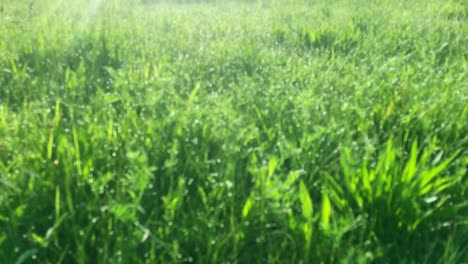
pixel 224 132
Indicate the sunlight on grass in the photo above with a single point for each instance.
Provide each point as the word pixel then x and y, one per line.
pixel 233 131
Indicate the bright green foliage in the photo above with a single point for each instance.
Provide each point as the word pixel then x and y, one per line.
pixel 141 131
pixel 307 209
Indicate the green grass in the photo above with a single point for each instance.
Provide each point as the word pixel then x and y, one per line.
pixel 224 132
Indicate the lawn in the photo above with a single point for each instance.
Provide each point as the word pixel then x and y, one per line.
pixel 316 131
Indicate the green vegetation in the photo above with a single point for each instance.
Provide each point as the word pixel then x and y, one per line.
pixel 248 132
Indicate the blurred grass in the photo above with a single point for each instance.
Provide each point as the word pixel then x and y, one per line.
pixel 233 132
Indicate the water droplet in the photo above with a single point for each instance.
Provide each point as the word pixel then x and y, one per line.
pixel 229 184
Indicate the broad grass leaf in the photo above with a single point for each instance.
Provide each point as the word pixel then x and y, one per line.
pixel 306 201
pixel 410 168
pixel 247 206
pixel 429 175
pixel 326 211
pixel 272 164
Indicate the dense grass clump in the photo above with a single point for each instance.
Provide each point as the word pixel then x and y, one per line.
pixel 234 132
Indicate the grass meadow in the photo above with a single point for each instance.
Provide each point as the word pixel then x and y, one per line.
pixel 279 131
